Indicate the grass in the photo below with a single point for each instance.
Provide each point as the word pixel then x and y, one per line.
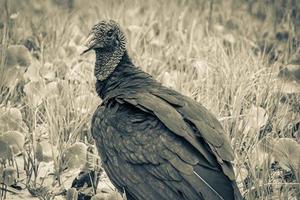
pixel 206 51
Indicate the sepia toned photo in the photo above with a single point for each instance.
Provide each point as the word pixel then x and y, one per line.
pixel 150 100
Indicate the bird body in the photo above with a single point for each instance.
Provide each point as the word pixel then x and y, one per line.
pixel 154 142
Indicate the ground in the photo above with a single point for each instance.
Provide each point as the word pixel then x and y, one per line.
pixel 240 59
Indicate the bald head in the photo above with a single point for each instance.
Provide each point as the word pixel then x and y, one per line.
pixel 105 36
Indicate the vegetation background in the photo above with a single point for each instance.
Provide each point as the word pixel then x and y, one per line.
pixel 240 58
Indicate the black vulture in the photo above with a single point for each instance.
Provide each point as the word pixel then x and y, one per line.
pixel 154 142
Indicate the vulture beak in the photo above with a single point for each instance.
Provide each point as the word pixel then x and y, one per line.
pixel 90 43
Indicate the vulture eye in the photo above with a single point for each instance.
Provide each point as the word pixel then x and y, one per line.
pixel 110 33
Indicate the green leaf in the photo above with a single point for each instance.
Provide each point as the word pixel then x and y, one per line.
pixel 256 118
pixel 9 176
pixel 43 151
pixel 72 194
pixel 32 72
pixel 18 55
pixel 5 151
pixel 107 195
pixel 286 151
pixel 15 140
pixel 10 119
pixel 34 92
pixel 12 76
pixel 75 155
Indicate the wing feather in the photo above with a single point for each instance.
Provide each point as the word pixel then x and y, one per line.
pixel 149 141
pixel 169 117
pixel 175 118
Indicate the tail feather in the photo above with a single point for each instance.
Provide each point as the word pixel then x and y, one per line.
pixel 218 184
pixel 237 193
pixel 209 186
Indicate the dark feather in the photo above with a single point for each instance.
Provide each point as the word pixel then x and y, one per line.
pixel 158 144
pixel 154 142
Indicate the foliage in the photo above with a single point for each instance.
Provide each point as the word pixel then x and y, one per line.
pixel 238 58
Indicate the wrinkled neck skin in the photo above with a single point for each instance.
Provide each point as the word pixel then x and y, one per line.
pixel 106 62
pixel 124 78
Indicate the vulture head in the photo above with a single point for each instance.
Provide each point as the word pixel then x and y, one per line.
pixel 108 41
